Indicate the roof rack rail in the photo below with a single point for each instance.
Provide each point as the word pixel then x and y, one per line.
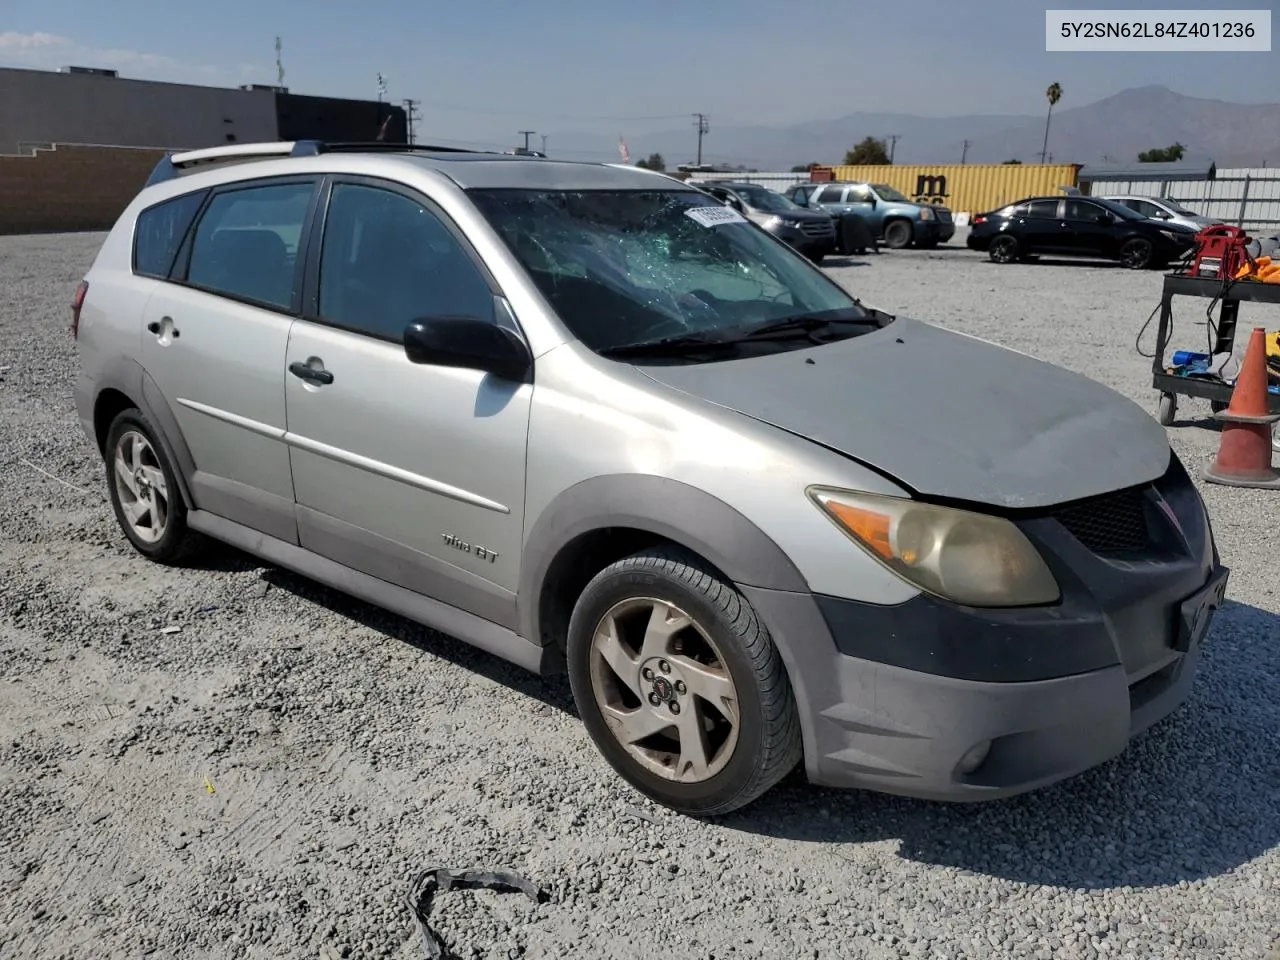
pixel 307 148
pixel 172 165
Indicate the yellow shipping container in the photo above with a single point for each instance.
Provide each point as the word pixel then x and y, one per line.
pixel 971 187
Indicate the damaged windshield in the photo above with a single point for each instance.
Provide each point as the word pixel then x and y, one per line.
pixel 628 268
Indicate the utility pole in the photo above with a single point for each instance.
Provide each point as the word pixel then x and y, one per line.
pixel 544 143
pixel 410 115
pixel 279 63
pixel 702 122
pixel 964 152
pixel 526 134
pixel 893 144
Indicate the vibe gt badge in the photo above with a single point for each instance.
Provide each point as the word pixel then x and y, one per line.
pixel 477 551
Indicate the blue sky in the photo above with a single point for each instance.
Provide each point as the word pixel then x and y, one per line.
pixel 487 68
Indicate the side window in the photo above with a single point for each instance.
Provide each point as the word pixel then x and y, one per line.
pixel 831 194
pixel 387 260
pixel 159 233
pixel 1083 210
pixel 246 244
pixel 1043 209
pixel 1147 208
pixel 859 194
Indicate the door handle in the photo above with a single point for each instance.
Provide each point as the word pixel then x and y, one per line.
pixel 305 371
pixel 155 327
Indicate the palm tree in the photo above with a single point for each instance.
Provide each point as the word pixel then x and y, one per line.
pixel 1054 93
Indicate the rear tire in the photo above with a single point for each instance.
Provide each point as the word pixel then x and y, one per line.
pixel 1004 249
pixel 897 235
pixel 144 492
pixel 680 685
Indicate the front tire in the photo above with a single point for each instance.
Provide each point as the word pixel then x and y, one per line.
pixel 1137 254
pixel 680 685
pixel 897 235
pixel 143 490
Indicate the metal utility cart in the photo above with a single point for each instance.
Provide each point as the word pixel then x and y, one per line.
pixel 1229 296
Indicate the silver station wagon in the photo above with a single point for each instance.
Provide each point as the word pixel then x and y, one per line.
pixel 592 421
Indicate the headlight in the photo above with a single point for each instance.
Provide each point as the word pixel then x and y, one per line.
pixel 1175 237
pixel 926 213
pixel 968 558
pixel 772 223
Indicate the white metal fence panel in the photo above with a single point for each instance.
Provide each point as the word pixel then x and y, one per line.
pixel 772 181
pixel 1247 197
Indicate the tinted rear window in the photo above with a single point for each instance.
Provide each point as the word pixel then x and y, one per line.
pixel 160 231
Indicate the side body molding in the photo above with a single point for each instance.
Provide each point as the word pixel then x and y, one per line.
pixel 668 508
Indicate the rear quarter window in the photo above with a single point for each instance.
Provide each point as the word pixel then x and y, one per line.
pixel 159 233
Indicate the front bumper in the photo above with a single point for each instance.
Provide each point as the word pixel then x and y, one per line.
pixel 932 700
pixel 933 231
pixel 806 243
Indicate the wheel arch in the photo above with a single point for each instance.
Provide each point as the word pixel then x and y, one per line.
pixel 598 521
pixel 126 384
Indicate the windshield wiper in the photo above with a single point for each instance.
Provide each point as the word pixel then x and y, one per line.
pixel 685 343
pixel 803 324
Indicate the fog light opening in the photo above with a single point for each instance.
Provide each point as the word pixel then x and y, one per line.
pixel 973 758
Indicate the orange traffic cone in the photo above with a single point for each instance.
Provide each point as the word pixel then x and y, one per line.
pixel 1244 453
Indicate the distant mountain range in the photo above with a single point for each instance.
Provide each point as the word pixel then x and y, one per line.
pixel 1113 130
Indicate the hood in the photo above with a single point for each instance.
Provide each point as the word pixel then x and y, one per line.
pixel 947 415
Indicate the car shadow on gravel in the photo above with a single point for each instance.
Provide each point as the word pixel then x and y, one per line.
pixel 1196 796
pixel 552 691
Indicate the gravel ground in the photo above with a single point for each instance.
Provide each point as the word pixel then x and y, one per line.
pixel 232 762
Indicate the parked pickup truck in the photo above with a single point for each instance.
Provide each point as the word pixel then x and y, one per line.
pixel 895 219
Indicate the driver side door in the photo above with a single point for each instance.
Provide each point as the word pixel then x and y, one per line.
pixel 408 472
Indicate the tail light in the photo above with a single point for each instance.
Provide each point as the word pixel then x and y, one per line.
pixel 979 218
pixel 76 306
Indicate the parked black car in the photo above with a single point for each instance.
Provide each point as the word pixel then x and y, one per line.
pixel 1078 227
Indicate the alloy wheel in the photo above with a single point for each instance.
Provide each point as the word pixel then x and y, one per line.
pixel 1004 249
pixel 664 690
pixel 141 487
pixel 1135 254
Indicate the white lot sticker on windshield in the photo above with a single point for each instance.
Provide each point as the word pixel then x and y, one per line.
pixel 714 216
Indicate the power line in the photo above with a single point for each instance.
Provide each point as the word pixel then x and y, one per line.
pixel 452 107
pixel 702 122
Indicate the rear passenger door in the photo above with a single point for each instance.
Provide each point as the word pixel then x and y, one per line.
pixel 1041 230
pixel 214 342
pixel 410 473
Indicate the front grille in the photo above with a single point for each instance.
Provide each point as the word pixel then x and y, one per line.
pixel 817 228
pixel 1112 523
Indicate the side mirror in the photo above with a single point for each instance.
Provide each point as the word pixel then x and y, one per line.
pixel 470 343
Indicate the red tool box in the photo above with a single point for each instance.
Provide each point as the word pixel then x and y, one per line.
pixel 1220 252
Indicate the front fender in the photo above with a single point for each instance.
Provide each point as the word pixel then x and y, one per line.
pixel 667 508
